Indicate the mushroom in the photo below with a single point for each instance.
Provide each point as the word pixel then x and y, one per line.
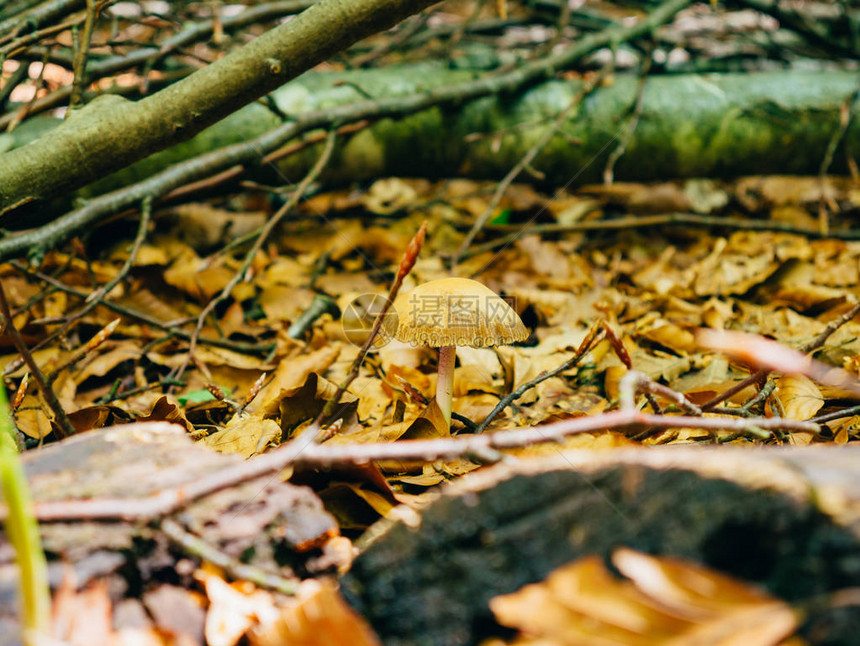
pixel 449 312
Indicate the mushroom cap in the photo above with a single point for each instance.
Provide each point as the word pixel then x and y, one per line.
pixel 456 311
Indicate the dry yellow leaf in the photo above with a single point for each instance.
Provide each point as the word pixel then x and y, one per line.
pixel 320 618
pixel 800 396
pixel 246 436
pixel 663 601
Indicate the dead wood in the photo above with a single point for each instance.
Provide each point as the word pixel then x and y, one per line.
pixel 278 524
pixel 784 518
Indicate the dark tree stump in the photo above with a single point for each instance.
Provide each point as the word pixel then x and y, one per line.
pixel 788 519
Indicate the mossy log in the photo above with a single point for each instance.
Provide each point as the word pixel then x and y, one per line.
pixel 716 125
pixel 788 519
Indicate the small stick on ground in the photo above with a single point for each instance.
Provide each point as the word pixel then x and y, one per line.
pixel 196 546
pixel 806 348
pixel 635 382
pixel 310 453
pixel 594 335
pixel 64 427
pixel 406 264
pixel 97 297
pixel 623 355
pixel 240 274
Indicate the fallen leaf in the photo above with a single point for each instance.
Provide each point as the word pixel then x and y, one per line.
pixel 800 396
pixel 319 618
pixel 664 600
pixel 233 609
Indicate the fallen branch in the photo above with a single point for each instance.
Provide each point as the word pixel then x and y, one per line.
pixel 249 152
pixel 111 132
pixel 309 453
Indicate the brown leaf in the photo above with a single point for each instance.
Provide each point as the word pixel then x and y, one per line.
pixel 665 601
pixel 233 609
pixel 320 618
pixel 245 435
pixel 292 372
pixel 800 397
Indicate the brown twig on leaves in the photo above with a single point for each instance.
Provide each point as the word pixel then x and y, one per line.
pixel 635 382
pixel 241 273
pixel 132 313
pixel 64 427
pixel 593 335
pixel 410 257
pixel 97 297
pixel 770 356
pixel 662 220
pixel 310 453
pixel 806 348
pixel 196 546
pixel 623 355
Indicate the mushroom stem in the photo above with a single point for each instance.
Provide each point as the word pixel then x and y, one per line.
pixel 445 380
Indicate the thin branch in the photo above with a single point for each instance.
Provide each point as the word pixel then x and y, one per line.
pixel 82 53
pixel 327 454
pixel 522 164
pixel 635 382
pixel 64 427
pixel 627 136
pixel 592 337
pixel 132 313
pixel 410 257
pixel 242 272
pixel 196 546
pixel 97 297
pixel 806 348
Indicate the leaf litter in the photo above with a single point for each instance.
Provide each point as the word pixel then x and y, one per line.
pixel 655 287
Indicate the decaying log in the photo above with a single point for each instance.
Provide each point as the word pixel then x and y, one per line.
pixel 788 519
pixel 278 524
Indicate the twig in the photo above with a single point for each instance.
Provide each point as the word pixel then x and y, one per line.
pixel 593 335
pixel 96 297
pixel 812 29
pixel 406 264
pixel 847 110
pixel 623 355
pixel 241 273
pixel 770 356
pixel 806 348
pixel 170 500
pixel 665 219
pixel 839 414
pixel 64 427
pixel 522 164
pixel 81 54
pixel 635 382
pixel 238 346
pixel 196 546
pixel 627 136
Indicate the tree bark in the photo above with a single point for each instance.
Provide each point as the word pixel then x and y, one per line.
pixel 783 518
pixel 717 125
pixel 112 132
